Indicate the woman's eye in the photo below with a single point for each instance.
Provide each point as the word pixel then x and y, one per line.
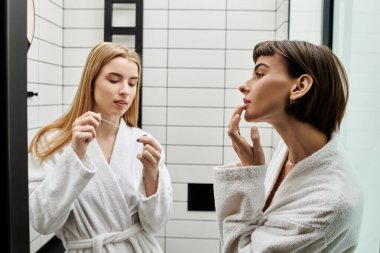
pixel 259 74
pixel 132 84
pixel 113 81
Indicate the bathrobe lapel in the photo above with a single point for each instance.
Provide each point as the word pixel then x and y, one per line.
pixel 104 188
pixel 274 168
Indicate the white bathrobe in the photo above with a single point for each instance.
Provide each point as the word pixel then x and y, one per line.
pixel 96 206
pixel 317 207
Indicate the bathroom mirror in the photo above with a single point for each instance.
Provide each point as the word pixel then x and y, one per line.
pixel 30 22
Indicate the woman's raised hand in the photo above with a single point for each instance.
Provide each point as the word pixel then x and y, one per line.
pixel 84 131
pixel 150 157
pixel 248 154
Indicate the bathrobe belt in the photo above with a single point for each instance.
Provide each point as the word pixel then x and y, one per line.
pixel 97 242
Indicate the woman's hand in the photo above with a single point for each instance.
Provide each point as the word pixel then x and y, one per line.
pixel 248 154
pixel 84 131
pixel 150 158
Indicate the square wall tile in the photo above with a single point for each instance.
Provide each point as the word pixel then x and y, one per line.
pixel 158 132
pixel 195 97
pixel 153 96
pixel 190 173
pixel 199 154
pixel 236 77
pixel 84 4
pixel 213 78
pixel 192 58
pixel 195 116
pixel 155 19
pixel 190 229
pixel 251 20
pixel 75 57
pixel 51 12
pixel 49 74
pixel 197 4
pixel 240 59
pixel 49 32
pixel 247 39
pixel 197 39
pixel 83 37
pixel 153 115
pixel 197 19
pixel 69 94
pixel 269 5
pixel 50 53
pixel 86 18
pixel 155 57
pixel 155 38
pixel 50 94
pixel 47 114
pixel 195 136
pixel 179 192
pixel 156 4
pixel 72 75
pixel 154 77
pixel 174 245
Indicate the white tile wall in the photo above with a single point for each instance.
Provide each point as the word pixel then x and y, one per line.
pixel 306 20
pixel 197 19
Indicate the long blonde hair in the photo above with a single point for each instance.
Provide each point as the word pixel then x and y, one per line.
pixel 99 56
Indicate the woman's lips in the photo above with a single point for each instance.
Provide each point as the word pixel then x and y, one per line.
pixel 121 103
pixel 246 101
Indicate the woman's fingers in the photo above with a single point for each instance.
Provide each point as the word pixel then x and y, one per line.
pixel 155 153
pixel 257 148
pixel 92 119
pixel 147 158
pixel 145 140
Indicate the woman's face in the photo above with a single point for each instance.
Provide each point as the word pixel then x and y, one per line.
pixel 115 87
pixel 268 91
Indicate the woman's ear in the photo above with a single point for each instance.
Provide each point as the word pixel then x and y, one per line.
pixel 301 87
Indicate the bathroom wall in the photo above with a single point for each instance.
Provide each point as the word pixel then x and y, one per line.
pixel 306 20
pixel 196 53
pixel 45 76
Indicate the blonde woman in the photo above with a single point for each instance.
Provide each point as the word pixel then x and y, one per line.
pixel 95 179
pixel 308 198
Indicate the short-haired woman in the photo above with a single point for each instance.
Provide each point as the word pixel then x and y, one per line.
pixel 307 199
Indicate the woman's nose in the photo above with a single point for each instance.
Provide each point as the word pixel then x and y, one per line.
pixel 124 89
pixel 243 88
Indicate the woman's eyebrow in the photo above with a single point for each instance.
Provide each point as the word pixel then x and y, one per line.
pixel 259 65
pixel 114 74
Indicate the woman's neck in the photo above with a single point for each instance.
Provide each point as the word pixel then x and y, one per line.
pixel 301 138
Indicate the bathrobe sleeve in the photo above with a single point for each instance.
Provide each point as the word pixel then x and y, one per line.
pixel 154 211
pixel 53 187
pixel 239 200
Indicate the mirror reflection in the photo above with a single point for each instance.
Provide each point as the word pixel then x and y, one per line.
pixel 195 55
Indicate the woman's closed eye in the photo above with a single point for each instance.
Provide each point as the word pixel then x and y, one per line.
pixel 113 80
pixel 258 75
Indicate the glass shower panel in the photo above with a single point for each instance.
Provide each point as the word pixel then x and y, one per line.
pixel 356 41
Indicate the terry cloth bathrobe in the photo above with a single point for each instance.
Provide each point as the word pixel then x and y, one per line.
pixel 96 206
pixel 317 207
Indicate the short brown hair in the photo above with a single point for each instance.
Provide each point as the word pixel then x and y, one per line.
pixel 323 106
